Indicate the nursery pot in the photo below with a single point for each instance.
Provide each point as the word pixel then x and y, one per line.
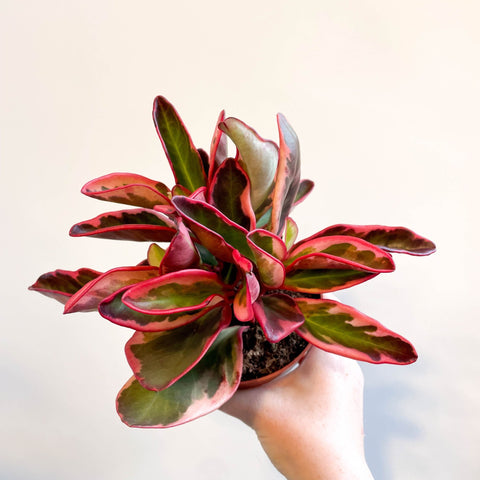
pixel 264 361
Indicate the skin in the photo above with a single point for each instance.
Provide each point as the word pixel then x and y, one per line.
pixel 310 422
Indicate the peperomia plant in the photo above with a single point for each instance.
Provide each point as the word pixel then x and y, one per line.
pixel 232 265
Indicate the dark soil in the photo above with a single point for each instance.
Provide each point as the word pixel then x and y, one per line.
pixel 260 357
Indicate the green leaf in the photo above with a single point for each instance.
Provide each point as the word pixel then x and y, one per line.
pixel 392 239
pixel 159 359
pixel 205 388
pixel 291 233
pixel 324 280
pixel 62 284
pixel 155 255
pixel 341 329
pixel 184 158
pixel 176 292
pixel 258 157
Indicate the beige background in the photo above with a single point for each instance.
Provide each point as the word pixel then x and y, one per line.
pixel 384 96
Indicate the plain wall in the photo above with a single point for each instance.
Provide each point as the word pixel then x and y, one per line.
pixel 384 96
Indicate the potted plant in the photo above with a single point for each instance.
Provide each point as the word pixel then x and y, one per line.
pixel 234 296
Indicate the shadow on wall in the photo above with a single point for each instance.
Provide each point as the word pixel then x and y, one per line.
pixel 385 417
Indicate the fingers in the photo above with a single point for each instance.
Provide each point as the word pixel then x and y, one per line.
pixel 243 405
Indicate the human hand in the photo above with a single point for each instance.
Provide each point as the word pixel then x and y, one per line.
pixel 310 421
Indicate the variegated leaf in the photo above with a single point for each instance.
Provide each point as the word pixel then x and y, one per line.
pixel 185 161
pixel 155 255
pixel 333 251
pixel 205 160
pixel 245 297
pixel 176 292
pixel 181 191
pixel 304 189
pixel 230 193
pixel 137 224
pixel 218 148
pixel 392 239
pixel 181 253
pixel 128 188
pixel 341 329
pixel 271 270
pixel 114 310
pixel 291 233
pixel 258 157
pixel 215 231
pixel 202 390
pixel 159 359
pixel 62 284
pixel 278 315
pixel 324 280
pixel 199 194
pixel 269 242
pixel 287 177
pixel 90 295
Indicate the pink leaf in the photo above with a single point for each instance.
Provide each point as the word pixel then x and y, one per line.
pixel 89 296
pixel 278 315
pixel 392 239
pixel 62 284
pixel 341 329
pixel 137 224
pixel 181 253
pixel 176 292
pixel 128 188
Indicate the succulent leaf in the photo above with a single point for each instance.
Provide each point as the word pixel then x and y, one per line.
pixel 181 254
pixel 137 224
pixel 333 251
pixel 391 239
pixel 271 270
pixel 278 315
pixel 176 292
pixel 185 161
pixel 304 189
pixel 90 295
pixel 324 280
pixel 159 359
pixel 218 148
pixel 220 235
pixel 287 177
pixel 269 242
pixel 128 188
pixel 341 329
pixel 291 233
pixel 230 193
pixel 155 255
pixel 114 310
pixel 202 390
pixel 258 157
pixel 62 284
